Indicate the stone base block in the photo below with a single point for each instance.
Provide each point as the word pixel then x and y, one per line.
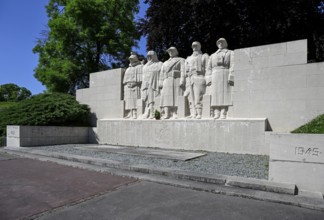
pixel 29 136
pixel 243 136
pixel 297 158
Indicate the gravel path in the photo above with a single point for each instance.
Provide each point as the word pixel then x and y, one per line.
pixel 245 165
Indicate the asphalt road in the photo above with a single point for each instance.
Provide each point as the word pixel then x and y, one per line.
pixel 30 187
pixel 160 202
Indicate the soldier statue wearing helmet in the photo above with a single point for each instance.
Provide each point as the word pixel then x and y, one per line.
pixel 194 80
pixel 220 77
pixel 132 82
pixel 171 71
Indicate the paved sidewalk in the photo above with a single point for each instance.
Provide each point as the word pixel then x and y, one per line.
pixel 29 187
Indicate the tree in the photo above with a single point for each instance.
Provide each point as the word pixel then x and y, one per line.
pixel 243 23
pixel 84 36
pixel 12 93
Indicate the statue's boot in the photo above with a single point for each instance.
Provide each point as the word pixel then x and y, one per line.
pixel 223 113
pixel 166 113
pixel 134 113
pixel 151 112
pixel 192 113
pixel 199 113
pixel 216 113
pixel 146 113
pixel 129 115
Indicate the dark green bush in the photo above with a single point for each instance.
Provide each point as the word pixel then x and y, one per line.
pixel 55 109
pixel 315 126
pixel 157 115
pixel 4 105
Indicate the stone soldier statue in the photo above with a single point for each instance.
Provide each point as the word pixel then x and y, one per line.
pixel 171 71
pixel 194 79
pixel 150 83
pixel 132 83
pixel 220 77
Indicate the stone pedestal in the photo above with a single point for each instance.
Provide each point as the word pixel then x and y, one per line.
pixel 243 136
pixel 297 158
pixel 30 136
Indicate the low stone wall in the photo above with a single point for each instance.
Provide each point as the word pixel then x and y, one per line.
pixel 243 136
pixel 297 158
pixel 28 136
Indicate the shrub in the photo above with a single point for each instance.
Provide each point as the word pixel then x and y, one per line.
pixel 55 109
pixel 4 105
pixel 157 115
pixel 315 126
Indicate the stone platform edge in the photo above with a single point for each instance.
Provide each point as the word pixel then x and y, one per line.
pixel 233 135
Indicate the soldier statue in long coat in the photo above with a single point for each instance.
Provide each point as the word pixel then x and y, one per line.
pixel 194 79
pixel 171 71
pixel 132 84
pixel 150 83
pixel 220 77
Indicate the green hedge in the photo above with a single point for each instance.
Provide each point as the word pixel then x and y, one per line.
pixel 315 126
pixel 55 109
pixel 4 105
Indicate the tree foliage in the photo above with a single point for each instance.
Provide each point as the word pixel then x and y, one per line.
pixel 84 36
pixel 12 93
pixel 45 109
pixel 243 23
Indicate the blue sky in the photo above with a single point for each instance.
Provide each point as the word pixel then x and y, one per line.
pixel 21 22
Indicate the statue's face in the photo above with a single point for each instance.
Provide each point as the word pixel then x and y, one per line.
pixel 132 60
pixel 221 45
pixel 196 47
pixel 172 53
pixel 149 57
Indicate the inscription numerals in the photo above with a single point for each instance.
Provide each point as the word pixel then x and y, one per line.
pixel 307 151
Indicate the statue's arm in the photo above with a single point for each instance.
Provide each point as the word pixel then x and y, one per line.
pixel 183 73
pixel 231 69
pixel 209 71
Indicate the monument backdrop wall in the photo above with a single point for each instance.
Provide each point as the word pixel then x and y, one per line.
pixel 272 81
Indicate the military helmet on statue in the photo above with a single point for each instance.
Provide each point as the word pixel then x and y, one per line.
pixel 133 56
pixel 223 40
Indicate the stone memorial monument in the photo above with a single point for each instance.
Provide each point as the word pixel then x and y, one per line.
pixel 220 77
pixel 132 84
pixel 171 71
pixel 150 84
pixel 194 80
pixel 275 90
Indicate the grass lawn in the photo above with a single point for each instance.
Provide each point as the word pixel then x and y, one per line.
pixel 315 126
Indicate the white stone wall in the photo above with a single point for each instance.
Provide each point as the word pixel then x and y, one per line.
pixel 104 95
pixel 232 135
pixel 272 81
pixel 29 136
pixel 275 81
pixel 297 158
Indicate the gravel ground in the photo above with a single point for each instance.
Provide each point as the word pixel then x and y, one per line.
pixel 245 165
